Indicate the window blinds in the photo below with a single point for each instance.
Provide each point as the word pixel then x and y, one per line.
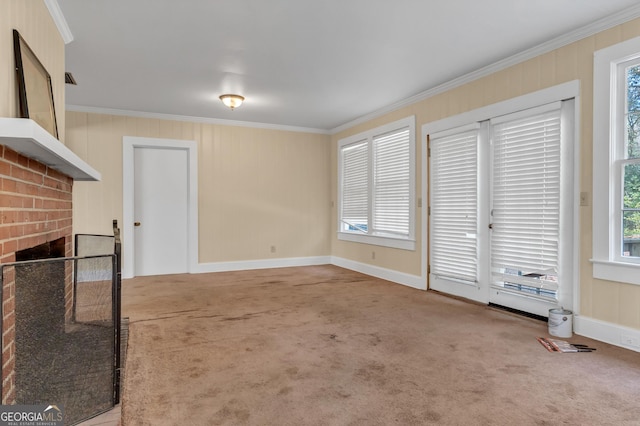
pixel 391 183
pixel 454 218
pixel 525 211
pixel 355 187
pixel 376 185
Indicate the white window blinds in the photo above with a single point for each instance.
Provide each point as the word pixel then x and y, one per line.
pixel 355 187
pixel 454 218
pixel 391 183
pixel 525 213
pixel 376 186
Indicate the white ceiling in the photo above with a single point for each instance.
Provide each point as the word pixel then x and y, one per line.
pixel 311 64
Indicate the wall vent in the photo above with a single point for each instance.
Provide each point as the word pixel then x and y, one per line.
pixel 68 79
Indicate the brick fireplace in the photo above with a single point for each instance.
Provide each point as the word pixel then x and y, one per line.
pixel 36 209
pixel 36 181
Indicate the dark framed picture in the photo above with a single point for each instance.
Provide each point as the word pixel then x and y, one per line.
pixel 35 93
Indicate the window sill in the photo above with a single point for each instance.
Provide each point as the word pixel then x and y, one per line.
pixel 628 273
pixel 378 241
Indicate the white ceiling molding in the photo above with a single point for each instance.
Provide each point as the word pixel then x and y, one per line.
pixel 208 120
pixel 556 43
pixel 58 18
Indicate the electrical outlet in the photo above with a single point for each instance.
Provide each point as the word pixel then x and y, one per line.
pixel 630 341
pixel 273 249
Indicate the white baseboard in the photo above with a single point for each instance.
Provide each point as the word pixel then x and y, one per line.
pixel 614 334
pixel 375 271
pixel 261 264
pixel 409 280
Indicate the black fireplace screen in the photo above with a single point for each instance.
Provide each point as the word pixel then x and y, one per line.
pixel 67 329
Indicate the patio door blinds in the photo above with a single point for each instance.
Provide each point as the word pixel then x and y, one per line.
pixel 454 204
pixel 525 211
pixel 355 187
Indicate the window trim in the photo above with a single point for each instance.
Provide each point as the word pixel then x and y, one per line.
pixel 607 264
pixel 405 243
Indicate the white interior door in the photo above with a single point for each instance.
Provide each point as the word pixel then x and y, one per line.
pixel 168 167
pixel 161 190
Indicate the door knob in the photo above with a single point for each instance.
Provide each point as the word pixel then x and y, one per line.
pixel 136 223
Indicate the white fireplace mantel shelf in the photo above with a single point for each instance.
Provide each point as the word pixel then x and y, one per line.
pixel 29 139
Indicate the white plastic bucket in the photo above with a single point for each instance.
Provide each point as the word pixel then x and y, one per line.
pixel 560 322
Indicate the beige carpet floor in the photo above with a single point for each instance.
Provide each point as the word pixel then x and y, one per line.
pixel 326 346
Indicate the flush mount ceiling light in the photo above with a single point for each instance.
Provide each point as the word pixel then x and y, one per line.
pixel 232 101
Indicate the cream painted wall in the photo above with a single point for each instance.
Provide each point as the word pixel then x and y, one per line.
pixel 32 19
pixel 257 188
pixel 607 301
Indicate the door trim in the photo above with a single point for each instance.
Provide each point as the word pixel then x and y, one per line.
pixel 129 144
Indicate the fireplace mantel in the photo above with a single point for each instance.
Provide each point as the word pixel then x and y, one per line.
pixel 29 139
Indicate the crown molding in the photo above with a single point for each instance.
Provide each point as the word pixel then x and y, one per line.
pixel 553 44
pixel 207 120
pixel 58 18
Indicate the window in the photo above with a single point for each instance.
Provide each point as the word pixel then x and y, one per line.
pixel 376 186
pixel 629 163
pixel 616 163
